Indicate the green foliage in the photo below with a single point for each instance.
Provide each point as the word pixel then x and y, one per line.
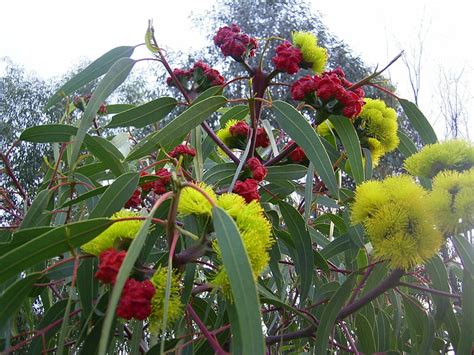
pixel 253 244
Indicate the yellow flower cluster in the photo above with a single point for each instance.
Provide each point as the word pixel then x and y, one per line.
pixel 455 155
pixel 192 201
pixel 124 230
pixel 397 221
pixel 313 54
pixel 158 301
pixel 452 201
pixel 379 124
pixel 255 231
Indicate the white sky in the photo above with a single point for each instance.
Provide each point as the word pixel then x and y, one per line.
pixel 50 36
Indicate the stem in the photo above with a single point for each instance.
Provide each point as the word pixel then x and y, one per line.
pixel 283 154
pixel 12 176
pixel 430 290
pixel 210 337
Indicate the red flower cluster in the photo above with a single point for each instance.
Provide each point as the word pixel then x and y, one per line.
pixel 109 264
pixel 234 43
pixel 182 149
pixel 215 78
pixel 287 58
pixel 248 189
pixel 330 85
pixel 135 201
pixel 159 186
pixel 297 155
pixel 258 170
pixel 203 75
pixel 241 129
pixel 135 301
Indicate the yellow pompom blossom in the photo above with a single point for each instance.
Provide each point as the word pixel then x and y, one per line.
pixel 399 225
pixel 175 308
pixel 231 203
pixel 325 129
pixel 452 201
pixel 313 54
pixel 379 124
pixel 455 155
pixel 255 230
pixel 114 234
pixel 192 201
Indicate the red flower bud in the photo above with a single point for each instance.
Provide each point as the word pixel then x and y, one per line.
pixel 135 201
pixel 248 189
pixel 287 58
pixel 258 170
pixel 109 264
pixel 234 43
pixel 182 149
pixel 135 301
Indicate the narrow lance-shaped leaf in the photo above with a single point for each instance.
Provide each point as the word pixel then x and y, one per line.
pixel 304 250
pixel 114 77
pixel 303 134
pixel 244 290
pixel 106 152
pixel 50 244
pixel 419 122
pixel 145 114
pixel 348 136
pixel 331 310
pixel 48 133
pixel 94 70
pixel 174 132
pixel 116 195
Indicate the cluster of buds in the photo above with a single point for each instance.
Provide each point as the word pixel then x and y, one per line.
pixel 330 93
pixel 248 189
pixel 297 155
pixel 158 186
pixel 182 150
pixel 234 43
pixel 241 130
pixel 201 75
pixel 81 102
pixel 135 300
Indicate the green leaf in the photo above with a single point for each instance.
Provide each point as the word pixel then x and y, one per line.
pixel 419 325
pixel 144 115
pixel 114 77
pixel 50 244
pixel 419 122
pixel 244 290
pixel 439 279
pixel 406 146
pixel 94 70
pixel 117 108
pixel 329 315
pixel 238 112
pixel 38 215
pixel 286 172
pixel 337 246
pixel 304 263
pixel 116 195
pixel 465 251
pixel 174 132
pixel 368 163
pixel 466 338
pixel 348 136
pixel 85 196
pixel 365 334
pixel 106 152
pixel 48 133
pixel 304 135
pixel 12 298
pixel 219 173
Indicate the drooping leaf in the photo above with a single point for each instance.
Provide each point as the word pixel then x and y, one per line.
pixel 48 133
pixel 116 195
pixel 304 135
pixel 348 136
pixel 304 250
pixel 329 315
pixel 106 152
pixel 94 70
pixel 12 298
pixel 286 172
pixel 114 77
pixel 145 114
pixel 37 214
pixel 174 132
pixel 365 334
pixel 50 244
pixel 239 272
pixel 419 122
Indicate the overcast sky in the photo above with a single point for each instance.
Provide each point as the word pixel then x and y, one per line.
pixel 51 36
